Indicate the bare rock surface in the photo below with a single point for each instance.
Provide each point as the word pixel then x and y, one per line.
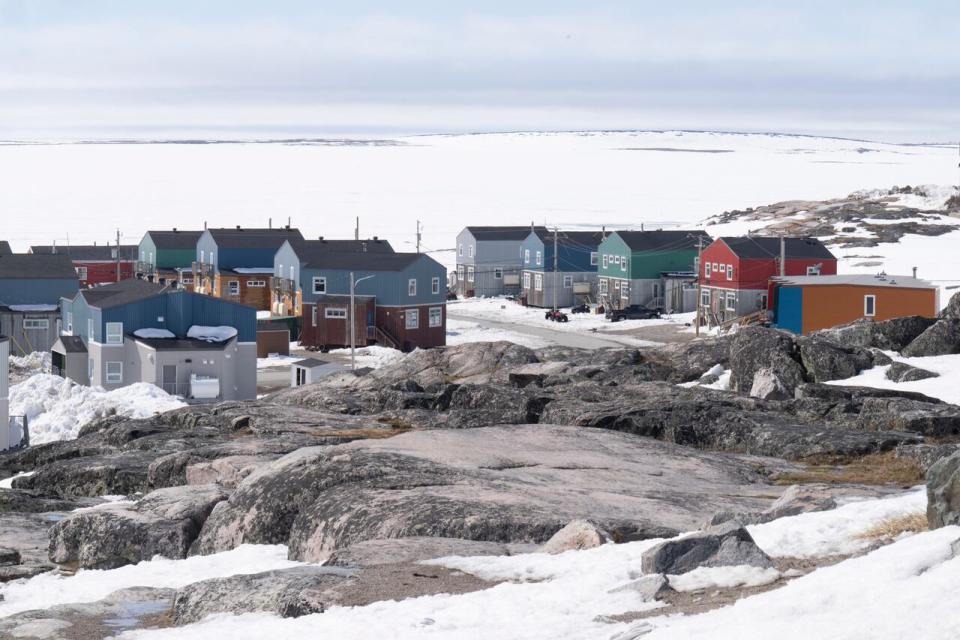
pixel 576 536
pixel 941 338
pixel 725 545
pixel 903 372
pixel 943 492
pixel 418 548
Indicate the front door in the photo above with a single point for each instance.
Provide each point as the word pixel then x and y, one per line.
pixel 169 379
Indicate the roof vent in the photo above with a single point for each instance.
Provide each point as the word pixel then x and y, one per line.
pixel 320 238
pixel 174 229
pixel 238 228
pixel 376 239
pixel 893 281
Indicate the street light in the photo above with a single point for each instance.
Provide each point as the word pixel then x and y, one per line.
pixel 352 321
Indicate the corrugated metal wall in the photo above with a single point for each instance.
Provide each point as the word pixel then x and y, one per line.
pixel 790 309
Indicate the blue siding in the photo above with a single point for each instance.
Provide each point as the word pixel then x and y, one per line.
pixel 790 309
pixel 36 290
pixel 533 244
pixel 82 313
pixel 570 258
pixel 389 287
pixel 261 257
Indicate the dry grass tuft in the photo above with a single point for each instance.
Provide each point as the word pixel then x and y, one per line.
pixel 877 468
pixel 893 527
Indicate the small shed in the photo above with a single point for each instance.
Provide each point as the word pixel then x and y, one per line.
pixel 804 304
pixel 308 371
pixel 273 337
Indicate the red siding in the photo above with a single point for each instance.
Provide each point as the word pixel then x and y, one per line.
pixel 334 332
pixel 104 272
pixel 752 273
pixel 392 320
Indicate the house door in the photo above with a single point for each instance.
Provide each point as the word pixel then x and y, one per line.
pixel 169 379
pixel 301 376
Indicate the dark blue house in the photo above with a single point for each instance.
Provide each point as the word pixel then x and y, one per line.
pixel 137 331
pixel 30 290
pixel 570 278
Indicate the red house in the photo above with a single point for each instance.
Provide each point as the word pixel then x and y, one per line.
pixel 735 272
pixel 97 264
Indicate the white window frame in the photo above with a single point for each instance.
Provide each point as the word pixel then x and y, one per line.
pixel 469 250
pixel 460 249
pixel 435 318
pixel 233 288
pixel 81 273
pixel 91 330
pixel 256 284
pixel 68 321
pixel 729 272
pixel 814 270
pixel 868 301
pixel 567 282
pixel 706 270
pixel 603 286
pixel 605 261
pixel 538 282
pixel 705 298
pixel 539 258
pixel 412 287
pixel 335 313
pixel 186 279
pixel 115 377
pixel 471 274
pixel 460 273
pixel 594 258
pixel 526 279
pixel 623 264
pixel 411 319
pixel 616 260
pixel 435 285
pixel 731 301
pixel 113 337
pixel 498 273
pixel 319 285
pixel 35 324
pixel 624 290
pixel 526 256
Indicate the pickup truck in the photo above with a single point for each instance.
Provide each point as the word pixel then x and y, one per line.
pixel 632 312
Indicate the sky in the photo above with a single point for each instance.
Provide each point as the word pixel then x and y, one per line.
pixel 241 68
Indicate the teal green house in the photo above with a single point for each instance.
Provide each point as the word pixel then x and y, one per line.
pixel 167 256
pixel 655 269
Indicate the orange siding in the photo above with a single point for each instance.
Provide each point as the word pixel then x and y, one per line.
pixel 826 306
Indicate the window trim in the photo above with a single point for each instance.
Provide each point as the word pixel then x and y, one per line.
pixel 415 315
pixel 813 270
pixel 730 298
pixel 256 284
pixel 112 337
pixel 412 287
pixel 233 287
pixel 335 313
pixel 81 273
pixel 594 258
pixel 567 282
pixel 538 282
pixel 113 378
pixel 539 258
pixel 706 270
pixel 435 285
pixel 42 324
pixel 322 281
pixel 603 286
pixel 605 261
pixel 471 274
pixel 526 279
pixel 623 264
pixel 870 297
pixel 435 317
pixel 705 298
pixel 729 272
pixel 498 273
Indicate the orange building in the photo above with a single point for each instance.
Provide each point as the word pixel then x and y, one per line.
pixel 805 304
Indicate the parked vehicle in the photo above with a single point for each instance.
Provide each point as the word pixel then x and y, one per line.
pixel 581 308
pixel 632 312
pixel 556 316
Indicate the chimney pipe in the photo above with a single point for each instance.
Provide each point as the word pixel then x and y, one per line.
pixel 914 273
pixel 269 223
pixel 174 229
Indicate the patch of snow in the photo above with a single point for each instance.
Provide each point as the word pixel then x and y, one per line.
pixel 154 333
pixel 254 270
pixel 37 360
pixel 211 334
pixel 276 360
pixel 462 331
pixel 51 589
pixel 33 307
pixel 723 578
pixel 374 356
pixel 108 500
pixel 264 315
pixel 56 408
pixel 834 532
pixel 7 483
pixel 946 387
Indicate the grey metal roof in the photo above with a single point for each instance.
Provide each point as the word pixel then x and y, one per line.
pixel 369 245
pixel 663 240
pixel 37 267
pixel 180 344
pixel 310 363
pixel 345 261
pixel 234 238
pixel 5 249
pixel 484 234
pixel 761 247
pixel 859 280
pixel 73 344
pixel 579 239
pixel 123 292
pixel 105 252
pixel 175 239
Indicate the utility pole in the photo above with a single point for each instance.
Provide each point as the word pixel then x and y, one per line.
pixel 554 268
pixel 118 255
pixel 700 270
pixel 356 230
pixel 418 236
pixel 783 256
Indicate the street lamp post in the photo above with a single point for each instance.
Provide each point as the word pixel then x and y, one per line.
pixel 350 318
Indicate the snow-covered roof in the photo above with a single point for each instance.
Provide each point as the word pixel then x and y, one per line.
pixel 32 307
pixel 858 280
pixel 253 270
pixel 211 334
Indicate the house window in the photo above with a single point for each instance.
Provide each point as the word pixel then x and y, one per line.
pixel 114 333
pixel 729 272
pixel 257 284
pixel 604 261
pixel 814 270
pixel 469 250
pixel 36 323
pixel 567 282
pixel 623 264
pixel 498 273
pixel 459 273
pixel 539 258
pixel 335 313
pixel 603 286
pixel 538 282
pixel 412 286
pixel 435 286
pixel 68 320
pixel 869 306
pixel 313 316
pixel 624 290
pixel 82 273
pixel 459 249
pixel 526 256
pixel 319 285
pixel 526 279
pixel 470 274
pixel 90 369
pixel 731 301
pixel 706 270
pixel 91 336
pixel 233 287
pixel 593 258
pixel 705 297
pixel 114 371
pixel 412 319
pixel 186 280
pixel 762 300
pixel 436 316
pixel 616 259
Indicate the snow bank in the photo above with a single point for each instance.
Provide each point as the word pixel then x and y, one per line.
pixel 7 483
pixel 460 332
pixel 56 408
pixel 211 334
pixel 154 333
pixel 50 589
pixel 946 387
pixel 36 361
pixel 723 578
pixel 373 356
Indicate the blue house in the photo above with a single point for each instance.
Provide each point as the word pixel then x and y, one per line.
pixel 189 344
pixel 31 286
pixel 237 264
pixel 566 280
pixel 400 298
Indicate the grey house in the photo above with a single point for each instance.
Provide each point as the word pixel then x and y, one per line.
pixel 191 345
pixel 489 260
pixel 30 290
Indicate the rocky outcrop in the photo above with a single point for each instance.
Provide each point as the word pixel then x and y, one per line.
pixel 887 335
pixel 824 360
pixel 943 492
pixel 724 545
pixel 164 522
pixel 416 549
pixel 942 338
pixel 902 414
pixel 902 372
pixel 576 536
pixel 757 349
pixel 952 310
pixel 494 484
pixel 799 499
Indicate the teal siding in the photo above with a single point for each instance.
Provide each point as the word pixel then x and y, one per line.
pixel 613 245
pixel 789 309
